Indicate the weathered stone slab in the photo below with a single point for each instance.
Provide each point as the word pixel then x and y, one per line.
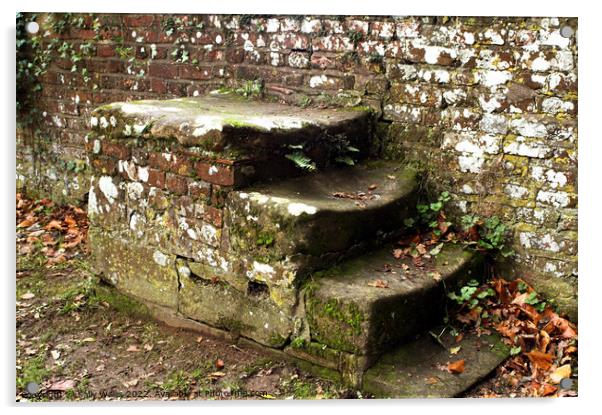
pixel 144 272
pixel 346 313
pixel 220 305
pixel 319 214
pixel 416 369
pixel 217 121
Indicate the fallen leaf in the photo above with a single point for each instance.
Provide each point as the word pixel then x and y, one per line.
pixel 219 364
pixel 88 340
pixel 56 355
pixel 132 348
pixel 560 373
pixel 455 350
pixel 421 249
pixel 54 224
pixel 456 367
pixel 199 339
pixel 26 223
pixel 28 296
pixel 431 380
pixel 539 359
pixel 73 243
pixel 436 250
pixel 372 186
pixel 435 275
pixel 129 383
pixel 148 347
pixel 548 389
pixel 216 375
pixel 398 253
pixel 379 284
pixel 71 223
pixel 62 385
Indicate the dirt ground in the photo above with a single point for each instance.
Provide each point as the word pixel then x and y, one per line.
pixel 78 339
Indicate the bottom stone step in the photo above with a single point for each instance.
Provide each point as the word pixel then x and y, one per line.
pixel 348 312
pixel 416 369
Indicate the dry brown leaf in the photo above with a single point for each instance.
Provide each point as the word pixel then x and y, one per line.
pixel 560 373
pixel 28 296
pixel 54 224
pixel 379 284
pixel 71 223
pixel 219 364
pixel 456 367
pixel 26 223
pixel 435 275
pixel 540 360
pixel 548 390
pixel 133 348
pixel 431 380
pixel 62 385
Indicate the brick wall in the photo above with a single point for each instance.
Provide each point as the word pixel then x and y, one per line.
pixel 487 105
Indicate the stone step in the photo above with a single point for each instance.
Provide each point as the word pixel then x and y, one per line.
pixel 314 221
pixel 417 369
pixel 347 313
pixel 232 130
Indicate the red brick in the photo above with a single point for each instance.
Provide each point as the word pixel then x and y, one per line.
pixel 104 165
pixel 105 65
pixel 158 85
pixel 159 161
pixel 105 50
pixel 214 216
pixel 156 178
pixel 144 20
pixel 235 55
pixel 215 173
pixel 84 34
pixel 163 70
pixel 195 72
pixel 176 184
pixel 177 88
pixel 118 151
pixel 199 189
pixel 182 165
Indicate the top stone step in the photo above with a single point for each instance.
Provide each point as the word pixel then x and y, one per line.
pixel 216 122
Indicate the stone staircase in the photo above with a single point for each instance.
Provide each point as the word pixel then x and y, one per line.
pixel 196 210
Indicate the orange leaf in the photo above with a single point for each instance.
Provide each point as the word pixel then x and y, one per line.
pixel 71 223
pixel 379 284
pixel 26 223
pixel 456 367
pixel 540 360
pixel 549 389
pixel 54 224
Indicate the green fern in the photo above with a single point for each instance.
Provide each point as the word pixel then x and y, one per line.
pixel 301 161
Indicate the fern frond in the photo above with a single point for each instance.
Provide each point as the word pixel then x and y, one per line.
pixel 301 161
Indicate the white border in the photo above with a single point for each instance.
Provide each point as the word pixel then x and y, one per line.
pixel 590 158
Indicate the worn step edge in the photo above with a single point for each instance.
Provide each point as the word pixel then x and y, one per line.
pixel 346 314
pixel 417 369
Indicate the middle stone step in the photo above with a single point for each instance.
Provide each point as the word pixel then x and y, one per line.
pixel 282 231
